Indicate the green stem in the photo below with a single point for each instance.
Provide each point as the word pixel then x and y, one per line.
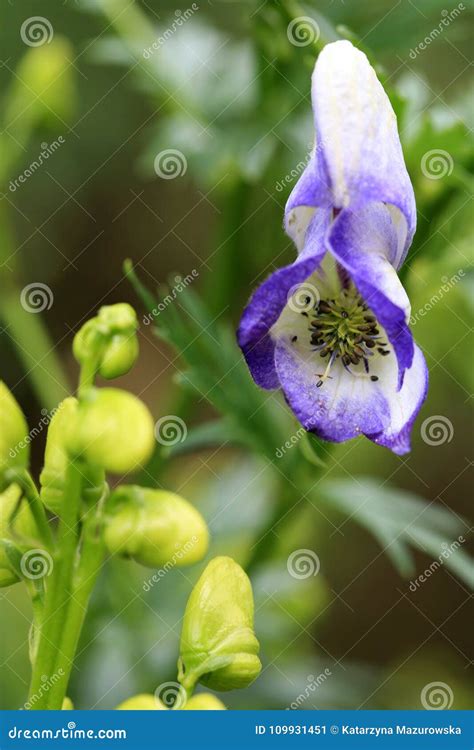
pixel 93 550
pixel 58 591
pixel 24 480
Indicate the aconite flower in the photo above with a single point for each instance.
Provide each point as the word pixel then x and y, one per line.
pixel 154 527
pixel 331 329
pixel 218 644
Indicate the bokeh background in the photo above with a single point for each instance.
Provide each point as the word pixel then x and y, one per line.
pixel 227 89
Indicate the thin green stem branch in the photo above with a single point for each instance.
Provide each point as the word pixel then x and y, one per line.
pixel 59 588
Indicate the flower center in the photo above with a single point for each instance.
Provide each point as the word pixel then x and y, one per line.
pixel 344 328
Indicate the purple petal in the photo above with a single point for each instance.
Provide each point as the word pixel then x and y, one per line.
pixel 404 407
pixel 357 127
pixel 363 242
pixel 270 298
pixel 348 404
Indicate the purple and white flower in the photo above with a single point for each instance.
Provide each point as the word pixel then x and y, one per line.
pixel 331 329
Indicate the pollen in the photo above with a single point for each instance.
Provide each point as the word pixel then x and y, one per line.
pixel 345 329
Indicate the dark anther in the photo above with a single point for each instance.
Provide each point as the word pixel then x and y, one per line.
pixel 373 378
pixel 294 338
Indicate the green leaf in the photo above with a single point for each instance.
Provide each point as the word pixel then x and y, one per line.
pixel 401 522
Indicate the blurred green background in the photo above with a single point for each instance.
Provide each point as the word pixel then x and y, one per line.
pixel 228 90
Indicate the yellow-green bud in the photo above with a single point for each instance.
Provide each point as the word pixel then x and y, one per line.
pixel 56 459
pixel 67 704
pixel 14 447
pixel 155 527
pixel 204 702
pixel 218 643
pixel 110 340
pixel 141 702
pixel 23 524
pixel 112 429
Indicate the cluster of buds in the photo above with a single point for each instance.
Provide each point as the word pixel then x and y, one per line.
pixel 104 431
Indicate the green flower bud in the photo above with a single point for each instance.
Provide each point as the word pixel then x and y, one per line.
pixel 110 340
pixel 112 429
pixel 14 448
pixel 155 527
pixel 119 356
pixel 56 460
pixel 142 702
pixel 23 525
pixel 204 702
pixel 218 644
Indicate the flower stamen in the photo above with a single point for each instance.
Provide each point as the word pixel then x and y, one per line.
pixel 344 328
